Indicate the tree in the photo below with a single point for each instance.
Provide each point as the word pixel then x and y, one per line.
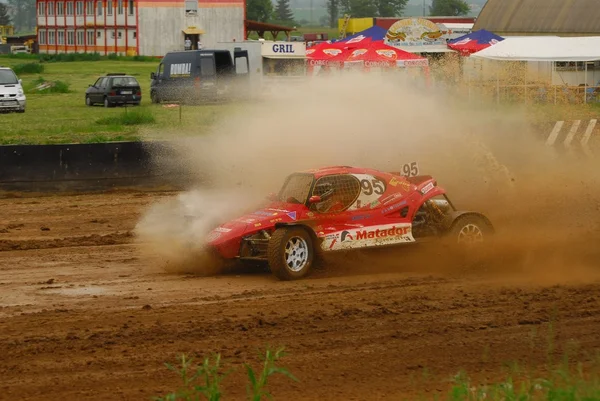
pixel 373 8
pixel 4 17
pixel 359 8
pixel 24 15
pixel 450 8
pixel 390 8
pixel 333 12
pixel 283 12
pixel 259 10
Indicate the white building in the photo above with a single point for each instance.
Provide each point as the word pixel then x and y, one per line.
pixel 136 27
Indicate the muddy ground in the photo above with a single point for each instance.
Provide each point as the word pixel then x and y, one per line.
pixel 83 316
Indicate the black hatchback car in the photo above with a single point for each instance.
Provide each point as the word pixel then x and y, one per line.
pixel 114 89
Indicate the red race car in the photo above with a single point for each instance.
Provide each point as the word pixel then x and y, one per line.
pixel 343 208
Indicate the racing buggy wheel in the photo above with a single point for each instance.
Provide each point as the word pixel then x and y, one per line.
pixel 290 253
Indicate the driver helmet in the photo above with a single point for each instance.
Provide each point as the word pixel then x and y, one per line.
pixel 324 189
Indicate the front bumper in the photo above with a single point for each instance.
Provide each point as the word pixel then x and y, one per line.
pixel 13 104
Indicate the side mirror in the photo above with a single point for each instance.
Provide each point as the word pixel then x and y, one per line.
pixel 152 75
pixel 314 199
pixel 272 196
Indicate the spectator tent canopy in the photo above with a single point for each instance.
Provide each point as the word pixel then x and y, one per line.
pixel 543 48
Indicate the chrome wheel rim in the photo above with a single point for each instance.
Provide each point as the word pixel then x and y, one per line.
pixel 470 234
pixel 296 254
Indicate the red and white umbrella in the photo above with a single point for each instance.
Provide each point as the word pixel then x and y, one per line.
pixel 378 54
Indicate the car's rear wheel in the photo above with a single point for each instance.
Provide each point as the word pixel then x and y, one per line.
pixel 107 103
pixel 290 253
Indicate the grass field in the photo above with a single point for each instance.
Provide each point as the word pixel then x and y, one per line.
pixel 64 117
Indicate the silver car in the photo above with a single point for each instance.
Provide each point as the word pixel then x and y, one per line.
pixel 12 96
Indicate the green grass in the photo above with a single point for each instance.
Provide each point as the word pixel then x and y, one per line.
pixel 204 381
pixel 64 118
pixel 568 383
pixel 136 116
pixel 28 68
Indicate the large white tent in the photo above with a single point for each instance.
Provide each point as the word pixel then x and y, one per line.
pixel 543 48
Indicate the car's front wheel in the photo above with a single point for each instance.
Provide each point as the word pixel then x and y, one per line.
pixel 470 230
pixel 290 253
pixel 88 101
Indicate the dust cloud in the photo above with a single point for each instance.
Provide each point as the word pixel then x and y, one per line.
pixel 544 204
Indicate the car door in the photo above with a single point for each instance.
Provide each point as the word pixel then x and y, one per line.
pixel 99 95
pixel 93 90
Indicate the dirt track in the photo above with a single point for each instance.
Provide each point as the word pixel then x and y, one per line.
pixel 83 316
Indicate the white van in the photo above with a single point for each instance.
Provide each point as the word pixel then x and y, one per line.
pixel 12 96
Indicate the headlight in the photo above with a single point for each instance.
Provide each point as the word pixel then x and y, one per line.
pixel 20 92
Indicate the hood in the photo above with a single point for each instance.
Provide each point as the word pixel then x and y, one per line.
pixel 11 89
pixel 258 220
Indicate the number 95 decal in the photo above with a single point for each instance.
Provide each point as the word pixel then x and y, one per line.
pixel 410 169
pixel 374 186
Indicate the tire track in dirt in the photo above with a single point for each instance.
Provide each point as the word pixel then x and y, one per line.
pixel 86 240
pixel 84 317
pixel 341 342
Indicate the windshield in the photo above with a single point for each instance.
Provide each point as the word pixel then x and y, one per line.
pixel 125 81
pixel 296 188
pixel 7 77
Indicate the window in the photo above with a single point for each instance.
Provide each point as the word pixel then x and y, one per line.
pixel 61 37
pixel 120 7
pixel 70 38
pixel 99 34
pixel 120 34
pixel 296 186
pixel 41 9
pixel 191 5
pixel 338 192
pixel 112 34
pixel 60 8
pixel 134 34
pixel 89 7
pixel 42 36
pixel 91 41
pixel 80 38
pixel 79 8
pixel 109 7
pixel 99 8
pixel 69 8
pixel 50 8
pixel 130 7
pixel 51 37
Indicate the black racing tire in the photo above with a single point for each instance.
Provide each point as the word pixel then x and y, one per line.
pixel 290 253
